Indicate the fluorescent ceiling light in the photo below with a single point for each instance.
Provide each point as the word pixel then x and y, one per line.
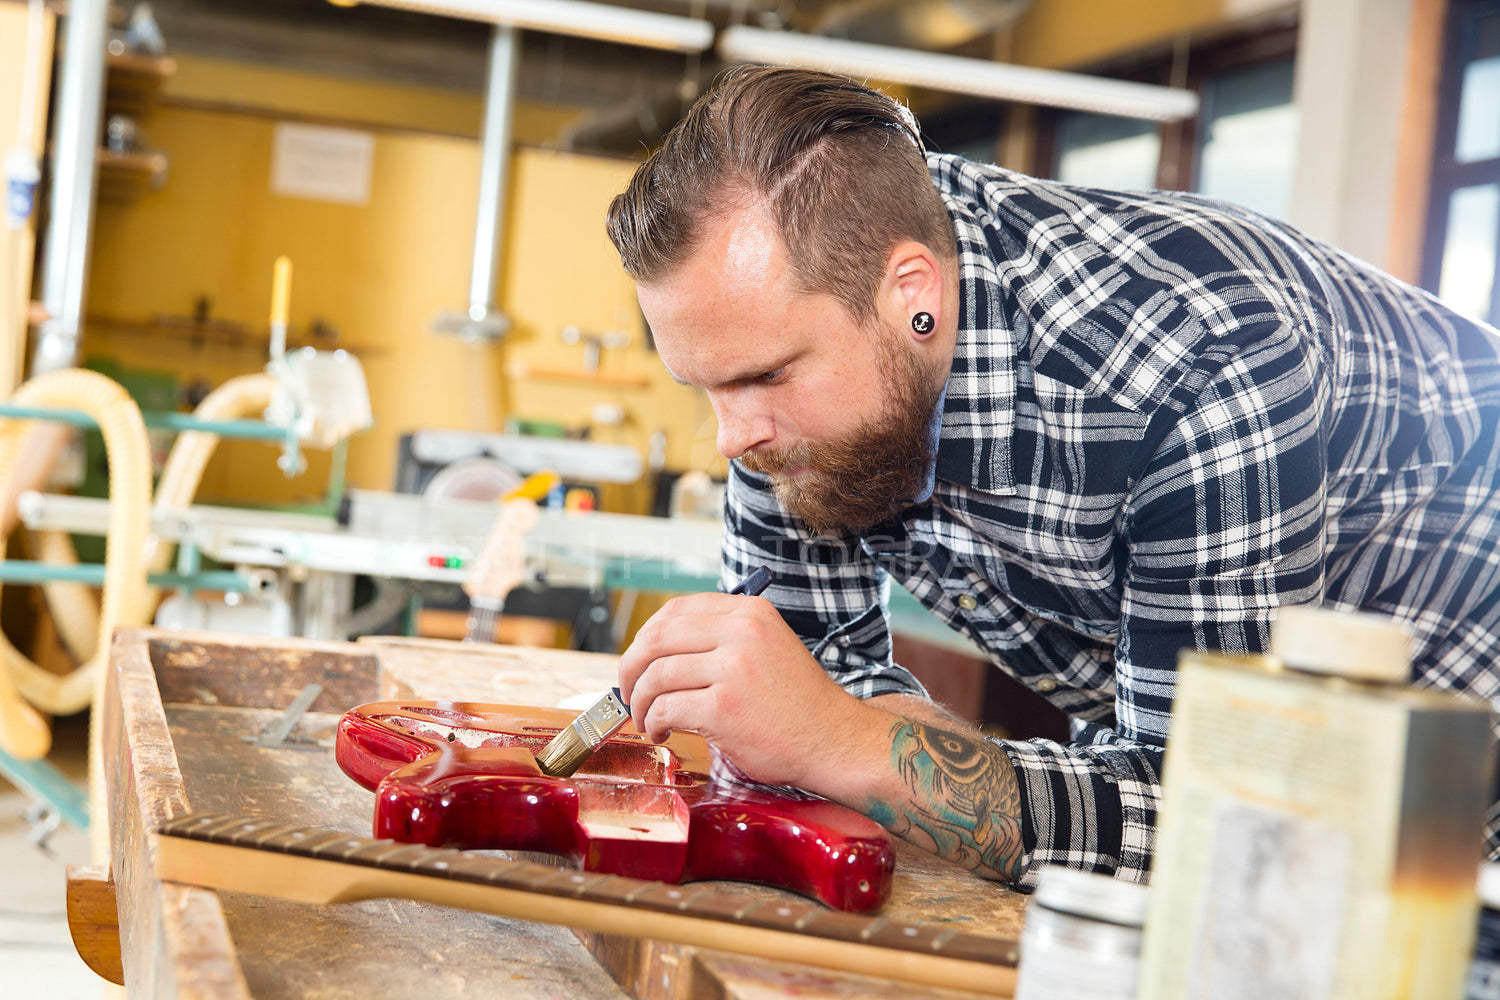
pixel 575 17
pixel 956 74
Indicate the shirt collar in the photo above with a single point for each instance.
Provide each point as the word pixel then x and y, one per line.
pixel 934 436
pixel 978 408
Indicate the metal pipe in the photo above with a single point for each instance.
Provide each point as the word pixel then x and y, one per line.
pixel 75 144
pixel 605 21
pixel 28 571
pixel 250 430
pixel 494 169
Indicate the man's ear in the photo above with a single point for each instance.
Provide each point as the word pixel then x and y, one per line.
pixel 913 282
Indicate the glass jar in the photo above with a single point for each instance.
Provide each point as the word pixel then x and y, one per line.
pixel 1082 938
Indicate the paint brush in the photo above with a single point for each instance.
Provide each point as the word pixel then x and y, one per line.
pixel 567 751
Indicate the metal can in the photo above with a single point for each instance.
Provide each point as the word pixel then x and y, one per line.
pixel 1082 938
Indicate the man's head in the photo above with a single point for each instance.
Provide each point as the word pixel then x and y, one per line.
pixel 782 240
pixel 839 166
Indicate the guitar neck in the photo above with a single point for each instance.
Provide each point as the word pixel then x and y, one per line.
pixel 484 614
pixel 263 857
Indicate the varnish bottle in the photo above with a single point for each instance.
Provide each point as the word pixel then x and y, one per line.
pixel 1321 825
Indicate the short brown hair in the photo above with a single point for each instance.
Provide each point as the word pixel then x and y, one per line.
pixel 839 165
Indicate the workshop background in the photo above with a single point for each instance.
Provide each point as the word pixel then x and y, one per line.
pixel 1344 135
pixel 1373 124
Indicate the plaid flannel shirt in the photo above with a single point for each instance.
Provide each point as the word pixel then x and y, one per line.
pixel 1166 417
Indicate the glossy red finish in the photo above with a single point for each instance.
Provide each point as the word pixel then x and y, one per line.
pixel 465 775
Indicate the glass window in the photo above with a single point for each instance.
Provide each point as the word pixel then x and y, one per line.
pixel 1468 267
pixel 1463 239
pixel 1478 122
pixel 1479 100
pixel 1249 137
pixel 1109 152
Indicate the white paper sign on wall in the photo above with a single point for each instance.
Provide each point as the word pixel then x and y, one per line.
pixel 325 164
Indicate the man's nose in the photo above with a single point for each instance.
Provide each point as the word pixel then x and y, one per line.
pixel 743 426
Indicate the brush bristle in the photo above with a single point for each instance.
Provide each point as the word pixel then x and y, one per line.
pixel 564 755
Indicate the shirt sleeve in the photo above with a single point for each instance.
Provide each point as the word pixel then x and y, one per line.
pixel 1224 525
pixel 828 589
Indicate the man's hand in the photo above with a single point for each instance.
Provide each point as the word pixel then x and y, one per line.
pixel 728 668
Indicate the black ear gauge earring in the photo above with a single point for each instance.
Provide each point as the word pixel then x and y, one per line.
pixel 923 323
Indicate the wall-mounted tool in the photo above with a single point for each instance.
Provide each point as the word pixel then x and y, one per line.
pixel 594 343
pixel 321 395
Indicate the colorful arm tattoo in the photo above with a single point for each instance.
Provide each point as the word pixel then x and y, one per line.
pixel 962 802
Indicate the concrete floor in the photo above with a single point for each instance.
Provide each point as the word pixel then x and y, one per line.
pixel 37 959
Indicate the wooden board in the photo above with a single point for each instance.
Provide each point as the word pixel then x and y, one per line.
pixel 178 710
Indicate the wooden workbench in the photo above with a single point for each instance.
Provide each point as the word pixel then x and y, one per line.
pixel 176 717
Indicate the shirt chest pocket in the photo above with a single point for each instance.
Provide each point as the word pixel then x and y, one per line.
pixel 1066 571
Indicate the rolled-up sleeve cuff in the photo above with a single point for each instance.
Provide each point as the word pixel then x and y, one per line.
pixel 1070 810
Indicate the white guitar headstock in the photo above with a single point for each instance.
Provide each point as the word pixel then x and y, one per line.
pixel 501 565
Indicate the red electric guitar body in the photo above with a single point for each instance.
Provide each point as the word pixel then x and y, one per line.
pixel 450 774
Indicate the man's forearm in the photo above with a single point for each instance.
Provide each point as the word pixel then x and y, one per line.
pixel 923 709
pixel 957 797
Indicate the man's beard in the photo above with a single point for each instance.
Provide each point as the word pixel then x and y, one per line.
pixel 856 482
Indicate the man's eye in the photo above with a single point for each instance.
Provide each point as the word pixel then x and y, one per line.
pixel 773 377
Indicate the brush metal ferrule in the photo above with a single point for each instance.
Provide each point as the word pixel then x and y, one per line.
pixel 572 746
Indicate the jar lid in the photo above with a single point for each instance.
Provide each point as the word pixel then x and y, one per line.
pixel 1351 644
pixel 1092 895
pixel 1489 885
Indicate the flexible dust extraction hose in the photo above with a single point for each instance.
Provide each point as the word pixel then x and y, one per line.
pixel 73 605
pixel 243 396
pixel 23 733
pixel 129 521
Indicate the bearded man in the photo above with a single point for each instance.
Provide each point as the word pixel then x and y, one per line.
pixel 1087 429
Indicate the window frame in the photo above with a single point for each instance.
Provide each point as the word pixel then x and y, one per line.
pixel 1460 39
pixel 1177 168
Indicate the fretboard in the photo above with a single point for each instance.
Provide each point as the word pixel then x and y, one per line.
pixel 315 865
pixel 481 622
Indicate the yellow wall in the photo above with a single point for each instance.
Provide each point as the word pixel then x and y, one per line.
pixel 378 273
pixel 1066 34
pixel 17 246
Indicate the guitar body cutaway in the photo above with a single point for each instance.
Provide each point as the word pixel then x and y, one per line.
pixel 450 774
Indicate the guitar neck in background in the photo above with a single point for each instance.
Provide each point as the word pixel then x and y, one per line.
pixel 484 615
pixel 245 854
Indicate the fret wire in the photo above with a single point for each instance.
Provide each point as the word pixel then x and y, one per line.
pixel 572 883
pixel 780 916
pixel 435 863
pixel 313 845
pixel 345 847
pixel 261 837
pixel 615 887
pixel 223 826
pixel 941 941
pixel 186 826
pixel 804 920
pixel 519 874
pixel 689 900
pixel 636 893
pixel 394 850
